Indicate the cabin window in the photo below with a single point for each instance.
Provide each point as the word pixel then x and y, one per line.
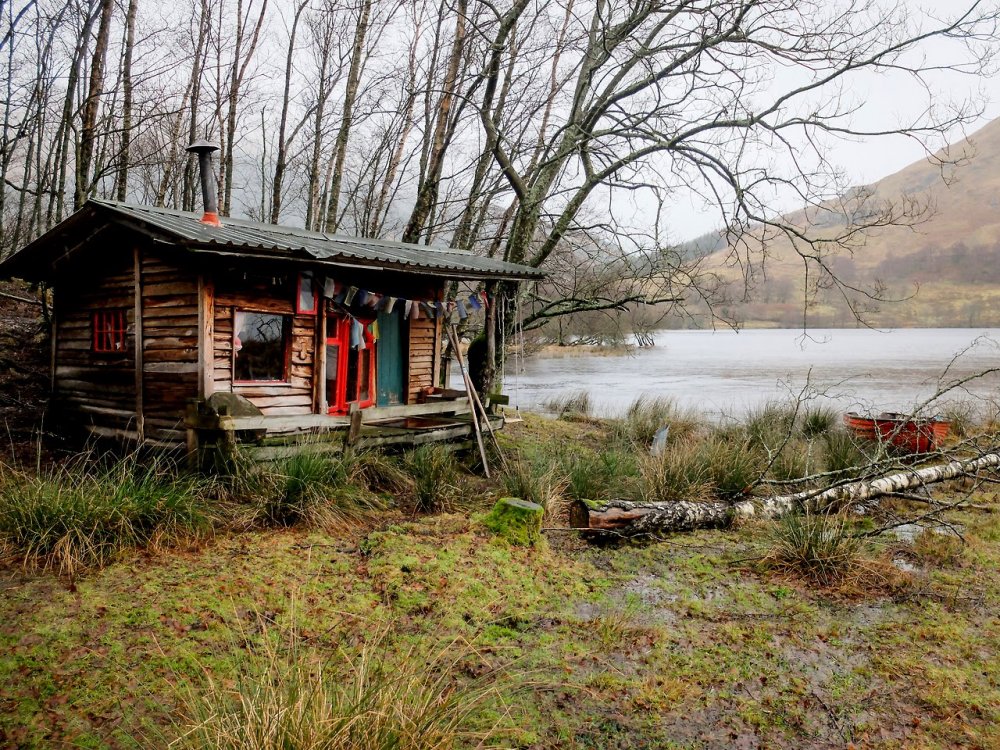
pixel 350 363
pixel 261 347
pixel 306 300
pixel 109 331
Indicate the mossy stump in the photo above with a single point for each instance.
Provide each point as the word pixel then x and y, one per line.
pixel 518 521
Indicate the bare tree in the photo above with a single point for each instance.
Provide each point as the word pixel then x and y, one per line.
pixel 95 90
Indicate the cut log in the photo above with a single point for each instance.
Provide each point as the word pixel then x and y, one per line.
pixel 626 518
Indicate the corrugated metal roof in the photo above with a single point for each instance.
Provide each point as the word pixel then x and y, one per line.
pixel 238 235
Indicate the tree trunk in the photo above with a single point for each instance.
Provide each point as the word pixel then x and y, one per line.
pixel 347 116
pixel 427 191
pixel 94 92
pixel 281 155
pixel 122 187
pixel 630 519
pixel 204 21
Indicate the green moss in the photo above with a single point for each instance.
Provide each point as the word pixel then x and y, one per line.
pixel 518 521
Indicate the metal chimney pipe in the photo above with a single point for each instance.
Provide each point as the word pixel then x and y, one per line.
pixel 209 191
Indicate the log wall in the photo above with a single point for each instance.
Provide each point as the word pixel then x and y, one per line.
pixel 423 346
pixel 97 389
pixel 264 294
pixel 169 297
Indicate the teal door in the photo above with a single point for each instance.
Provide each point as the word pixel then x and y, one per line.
pixel 391 358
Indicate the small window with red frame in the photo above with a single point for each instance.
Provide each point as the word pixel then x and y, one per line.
pixel 110 331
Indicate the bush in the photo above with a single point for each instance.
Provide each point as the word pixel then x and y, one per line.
pixel 816 546
pixel 83 515
pixel 646 416
pixel 299 700
pixel 435 473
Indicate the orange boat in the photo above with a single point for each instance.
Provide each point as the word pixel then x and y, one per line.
pixel 914 434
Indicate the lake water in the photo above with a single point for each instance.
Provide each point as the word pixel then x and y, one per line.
pixel 726 372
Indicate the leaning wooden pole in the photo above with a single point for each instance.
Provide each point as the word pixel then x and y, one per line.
pixel 626 518
pixel 453 337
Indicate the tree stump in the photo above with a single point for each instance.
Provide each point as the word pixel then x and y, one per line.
pixel 518 521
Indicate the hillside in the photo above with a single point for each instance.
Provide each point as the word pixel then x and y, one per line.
pixel 943 272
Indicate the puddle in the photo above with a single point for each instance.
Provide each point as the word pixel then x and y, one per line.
pixel 647 590
pixel 908 532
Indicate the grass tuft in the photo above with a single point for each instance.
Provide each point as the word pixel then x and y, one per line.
pixel 817 546
pixel 78 516
pixel 571 405
pixel 841 451
pixel 646 416
pixel 679 473
pixel 818 420
pixel 770 424
pixel 297 699
pixel 599 476
pixel 309 488
pixel 542 484
pixel 434 472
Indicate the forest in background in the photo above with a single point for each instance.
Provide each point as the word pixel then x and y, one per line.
pixel 559 135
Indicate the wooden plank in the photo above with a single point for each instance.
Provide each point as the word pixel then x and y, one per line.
pixel 171 355
pixel 319 368
pixel 183 329
pixel 53 340
pixel 86 386
pixel 373 414
pixel 172 289
pixel 254 303
pixel 206 352
pixel 139 324
pixel 276 402
pixel 253 391
pixel 169 303
pixel 170 367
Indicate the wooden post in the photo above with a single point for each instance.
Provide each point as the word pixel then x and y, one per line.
pixel 54 334
pixel 470 392
pixel 206 337
pixel 319 362
pixel 137 324
pixel 190 422
pixel 354 411
pixel 438 341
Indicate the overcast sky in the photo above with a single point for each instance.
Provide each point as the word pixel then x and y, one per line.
pixel 887 100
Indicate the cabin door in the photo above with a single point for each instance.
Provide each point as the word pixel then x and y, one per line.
pixel 350 363
pixel 391 358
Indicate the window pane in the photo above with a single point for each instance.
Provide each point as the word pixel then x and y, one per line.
pixel 259 346
pixel 352 374
pixel 332 362
pixel 364 387
pixel 307 299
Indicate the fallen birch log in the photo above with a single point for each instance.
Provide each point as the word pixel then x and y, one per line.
pixel 627 518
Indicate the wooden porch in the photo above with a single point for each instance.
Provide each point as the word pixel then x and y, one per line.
pixel 444 417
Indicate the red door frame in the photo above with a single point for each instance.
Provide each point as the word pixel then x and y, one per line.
pixel 340 326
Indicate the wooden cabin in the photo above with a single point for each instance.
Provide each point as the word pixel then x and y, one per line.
pixel 173 332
